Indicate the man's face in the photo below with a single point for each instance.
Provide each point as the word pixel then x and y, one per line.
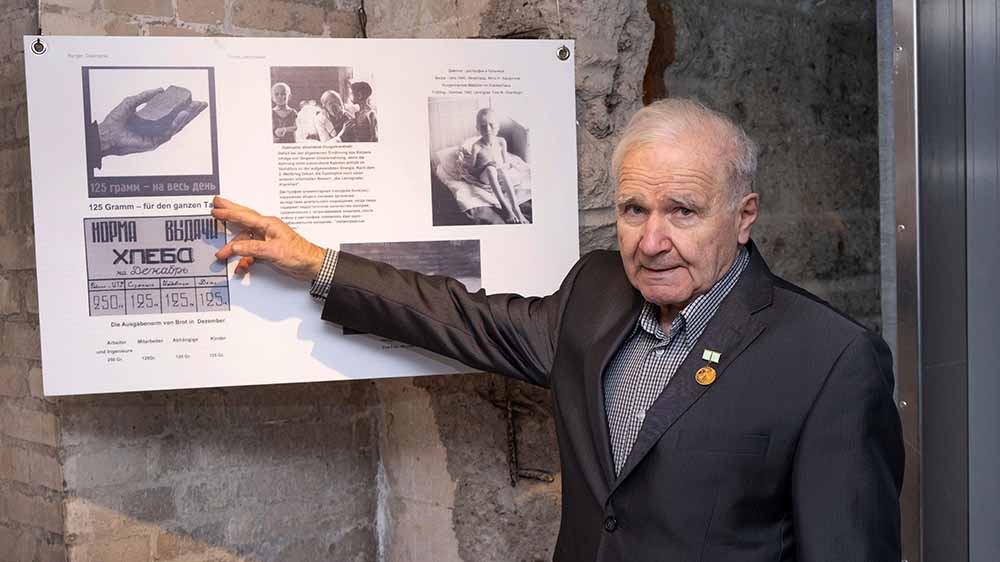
pixel 677 229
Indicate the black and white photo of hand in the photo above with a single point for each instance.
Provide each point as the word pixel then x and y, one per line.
pixel 117 139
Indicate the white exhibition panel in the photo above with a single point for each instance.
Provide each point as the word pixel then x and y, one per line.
pixel 130 297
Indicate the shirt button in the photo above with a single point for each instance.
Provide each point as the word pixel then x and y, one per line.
pixel 610 524
pixel 640 415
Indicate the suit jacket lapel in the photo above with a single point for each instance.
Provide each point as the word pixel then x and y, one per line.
pixel 729 332
pixel 620 309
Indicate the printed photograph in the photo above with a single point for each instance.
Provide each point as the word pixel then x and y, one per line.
pixel 479 162
pixel 460 259
pixel 322 104
pixel 150 131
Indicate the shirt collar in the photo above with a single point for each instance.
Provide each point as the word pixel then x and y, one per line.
pixel 693 319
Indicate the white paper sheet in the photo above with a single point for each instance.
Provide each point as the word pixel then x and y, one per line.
pixel 130 297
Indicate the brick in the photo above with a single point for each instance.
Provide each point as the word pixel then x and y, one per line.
pixel 278 16
pixel 87 422
pixel 15 168
pixel 51 553
pixel 121 27
pixel 21 122
pixel 174 31
pixel 343 23
pixel 17 251
pixel 86 520
pixel 106 468
pixel 172 545
pixel 601 237
pixel 13 377
pixel 9 126
pixel 140 7
pixel 30 467
pixel 21 4
pixel 152 505
pixel 26 24
pixel 21 340
pixel 8 295
pixel 75 5
pixel 131 549
pixel 29 289
pixel 201 11
pixel 17 544
pixel 29 425
pixel 54 23
pixel 32 510
pixel 35 386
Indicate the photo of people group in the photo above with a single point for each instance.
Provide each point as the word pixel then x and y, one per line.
pixel 479 163
pixel 321 104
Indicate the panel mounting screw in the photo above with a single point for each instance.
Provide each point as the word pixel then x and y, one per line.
pixel 563 53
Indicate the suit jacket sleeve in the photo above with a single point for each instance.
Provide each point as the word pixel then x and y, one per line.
pixel 848 467
pixel 503 333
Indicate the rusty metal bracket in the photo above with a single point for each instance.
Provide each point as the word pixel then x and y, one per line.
pixel 363 20
pixel 512 407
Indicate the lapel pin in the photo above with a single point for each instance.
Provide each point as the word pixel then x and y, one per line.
pixel 711 356
pixel 705 376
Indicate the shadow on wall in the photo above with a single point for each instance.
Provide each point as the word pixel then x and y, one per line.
pixel 304 472
pixel 276 473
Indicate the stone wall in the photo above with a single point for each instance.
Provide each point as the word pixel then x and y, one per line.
pixel 416 469
pixel 31 482
pixel 802 78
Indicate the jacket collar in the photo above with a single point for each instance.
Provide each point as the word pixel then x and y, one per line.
pixel 730 331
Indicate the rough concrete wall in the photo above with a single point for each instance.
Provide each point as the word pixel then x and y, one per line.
pixel 801 76
pixel 277 473
pixel 31 481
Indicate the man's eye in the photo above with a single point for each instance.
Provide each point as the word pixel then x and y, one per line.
pixel 685 212
pixel 633 210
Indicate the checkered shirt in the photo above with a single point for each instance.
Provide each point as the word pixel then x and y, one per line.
pixel 321 284
pixel 643 366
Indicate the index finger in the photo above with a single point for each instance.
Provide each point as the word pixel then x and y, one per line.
pixel 246 218
pixel 220 202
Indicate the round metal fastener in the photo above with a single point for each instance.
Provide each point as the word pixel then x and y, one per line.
pixel 39 47
pixel 563 53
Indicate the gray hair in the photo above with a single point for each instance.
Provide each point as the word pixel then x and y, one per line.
pixel 665 121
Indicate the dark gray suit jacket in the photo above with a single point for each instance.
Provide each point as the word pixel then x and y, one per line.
pixel 793 454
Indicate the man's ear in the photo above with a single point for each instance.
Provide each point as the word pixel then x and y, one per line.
pixel 746 215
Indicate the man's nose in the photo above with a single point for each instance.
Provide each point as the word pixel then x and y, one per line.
pixel 656 236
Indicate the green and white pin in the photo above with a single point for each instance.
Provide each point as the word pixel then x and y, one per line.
pixel 706 375
pixel 711 356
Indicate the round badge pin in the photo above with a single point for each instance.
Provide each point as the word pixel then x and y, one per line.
pixel 705 376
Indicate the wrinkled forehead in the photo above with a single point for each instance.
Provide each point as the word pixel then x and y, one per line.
pixel 656 163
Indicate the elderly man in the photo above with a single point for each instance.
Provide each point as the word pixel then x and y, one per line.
pixel 705 409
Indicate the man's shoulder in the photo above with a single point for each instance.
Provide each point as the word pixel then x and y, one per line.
pixel 807 312
pixel 601 261
pixel 600 271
